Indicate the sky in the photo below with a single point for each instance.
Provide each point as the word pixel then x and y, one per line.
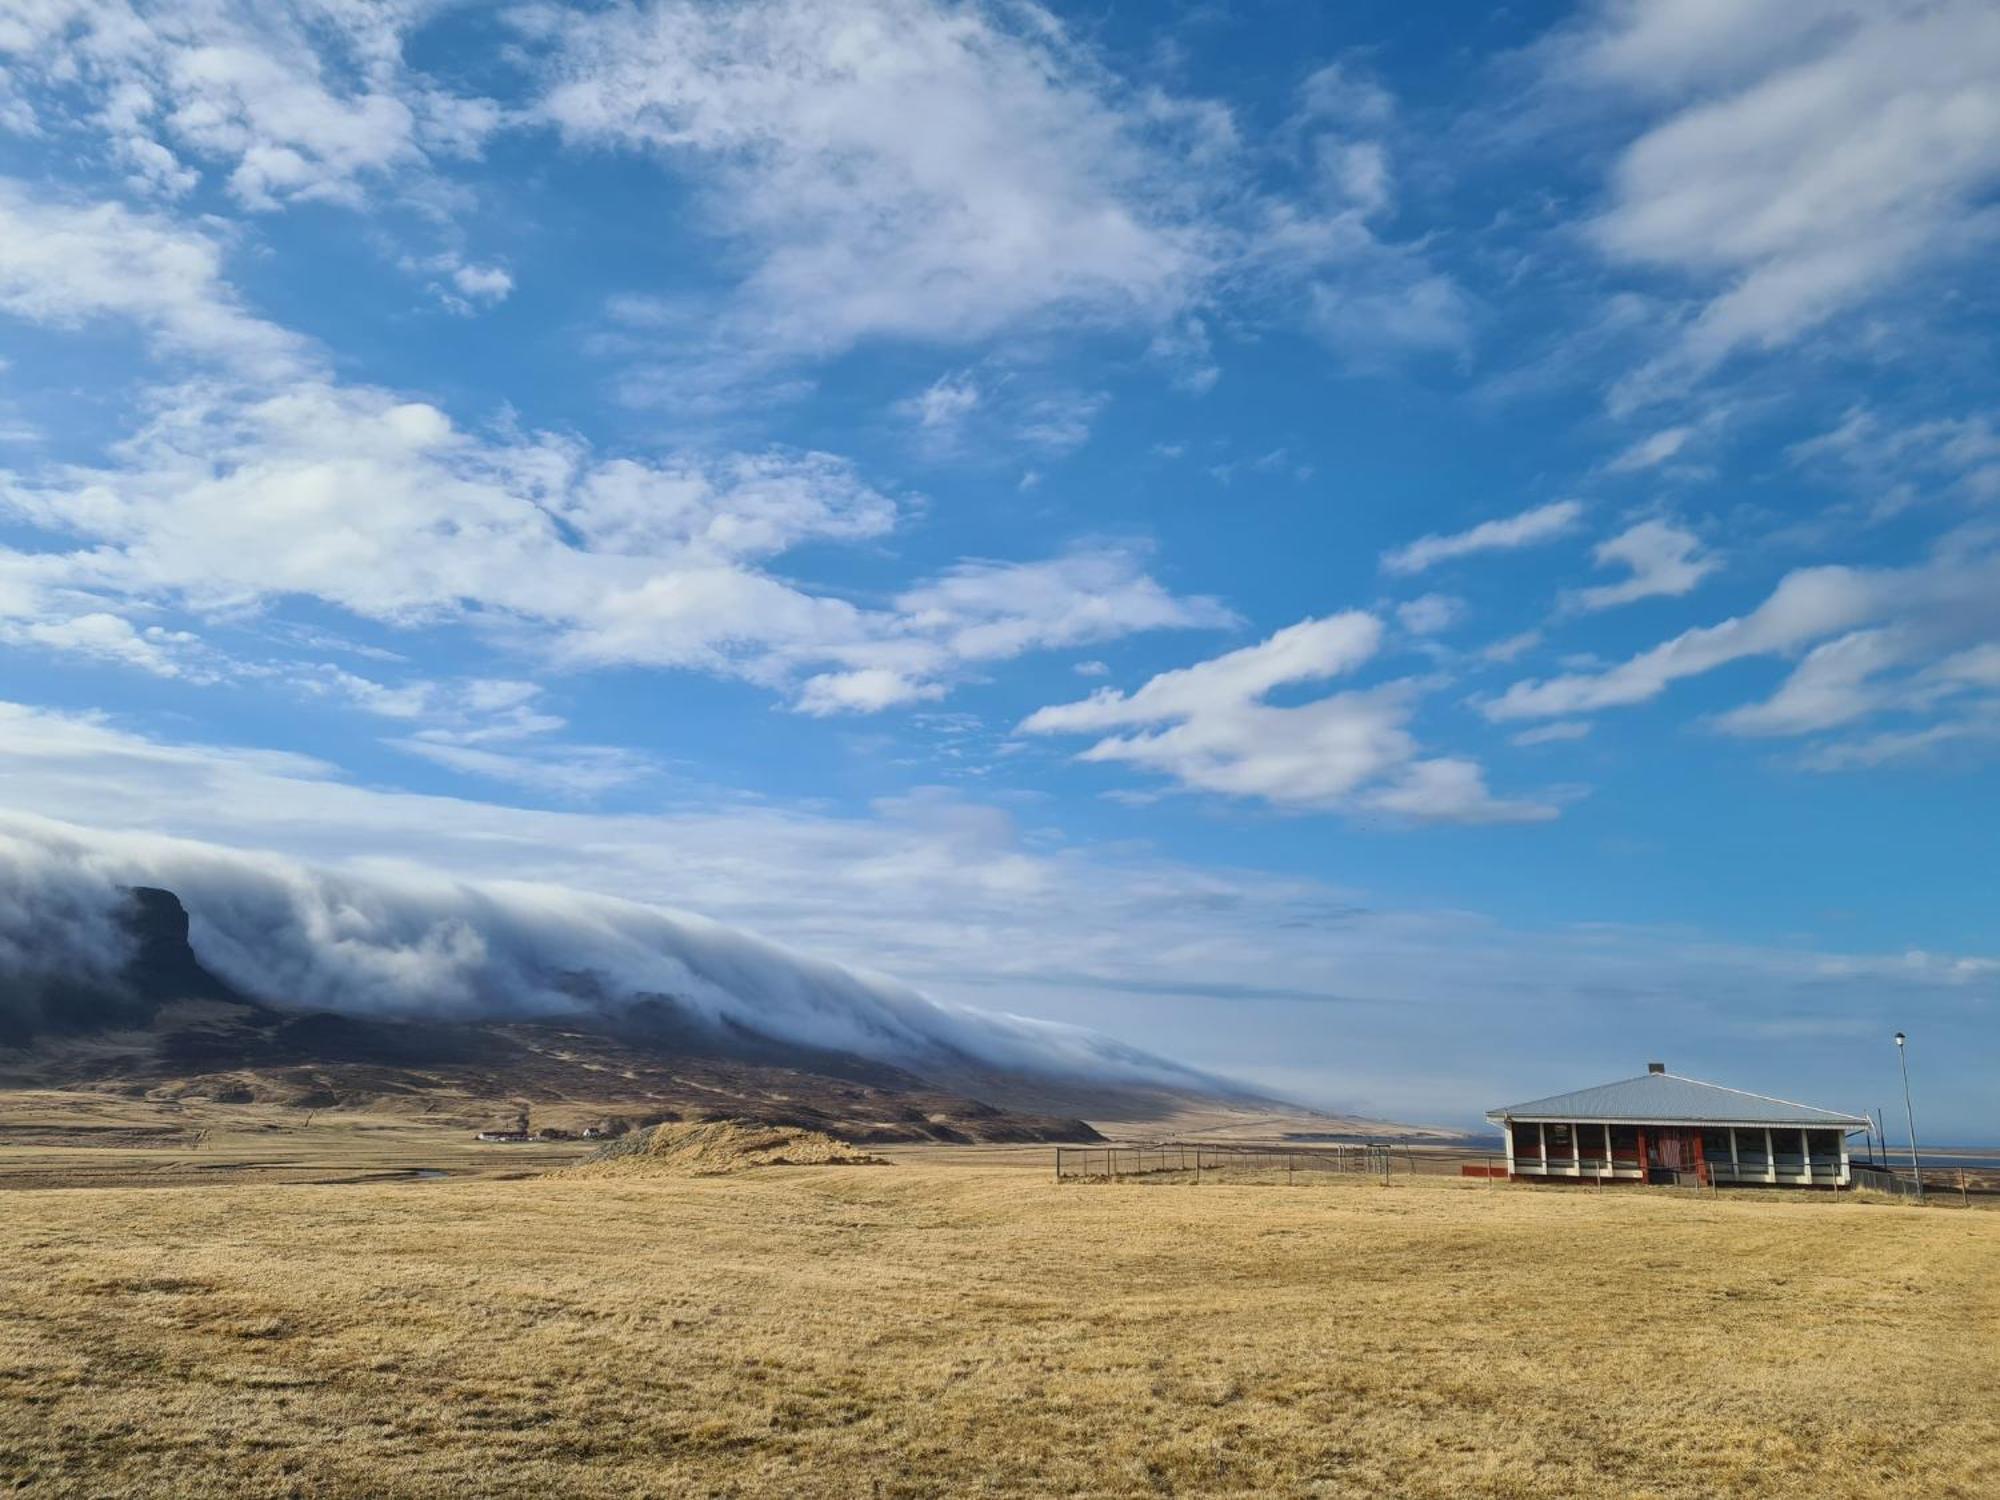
pixel 1412 557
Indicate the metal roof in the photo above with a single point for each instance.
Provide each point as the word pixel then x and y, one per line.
pixel 1668 1099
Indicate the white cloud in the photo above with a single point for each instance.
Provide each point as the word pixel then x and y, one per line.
pixel 1887 459
pixel 1220 735
pixel 1664 560
pixel 290 102
pixel 1832 685
pixel 461 285
pixel 1451 790
pixel 1510 648
pixel 1059 423
pixel 1373 300
pixel 383 507
pixel 161 652
pixel 1530 527
pixel 986 611
pixel 570 771
pixel 951 172
pixel 1398 307
pixel 1806 605
pixel 943 404
pixel 1430 613
pixel 1925 648
pixel 864 690
pixel 1978 731
pixel 69 264
pixel 1805 158
pixel 1852 677
pixel 1651 451
pixel 897 167
pixel 1551 734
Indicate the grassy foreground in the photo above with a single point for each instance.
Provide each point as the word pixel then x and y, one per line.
pixel 975 1329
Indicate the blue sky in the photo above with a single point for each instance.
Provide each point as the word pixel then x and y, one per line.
pixel 1417 559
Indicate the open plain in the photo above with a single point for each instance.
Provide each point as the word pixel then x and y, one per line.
pixel 957 1323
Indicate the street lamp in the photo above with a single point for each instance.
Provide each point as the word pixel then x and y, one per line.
pixel 1916 1171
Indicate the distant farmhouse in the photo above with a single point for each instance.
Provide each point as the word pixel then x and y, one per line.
pixel 1663 1128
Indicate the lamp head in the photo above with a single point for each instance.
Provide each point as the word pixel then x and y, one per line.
pixel 1899 1039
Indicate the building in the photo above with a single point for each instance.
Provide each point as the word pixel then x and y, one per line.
pixel 1663 1128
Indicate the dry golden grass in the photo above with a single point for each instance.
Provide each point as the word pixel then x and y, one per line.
pixel 73 1139
pixel 928 1329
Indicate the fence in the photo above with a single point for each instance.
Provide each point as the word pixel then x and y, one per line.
pixel 1948 1183
pixel 1198 1160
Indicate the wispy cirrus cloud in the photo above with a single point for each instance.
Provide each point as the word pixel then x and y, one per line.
pixel 900 169
pixel 1796 161
pixel 1867 642
pixel 1528 528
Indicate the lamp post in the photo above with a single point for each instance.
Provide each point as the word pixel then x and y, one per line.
pixel 1916 1171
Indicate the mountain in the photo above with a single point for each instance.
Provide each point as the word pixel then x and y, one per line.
pixel 164 1025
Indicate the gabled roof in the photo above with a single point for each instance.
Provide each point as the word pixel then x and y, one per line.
pixel 1668 1099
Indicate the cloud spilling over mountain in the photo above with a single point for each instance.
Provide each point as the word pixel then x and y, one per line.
pixel 406 944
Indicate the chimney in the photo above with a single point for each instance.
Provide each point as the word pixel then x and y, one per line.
pixel 1656 1067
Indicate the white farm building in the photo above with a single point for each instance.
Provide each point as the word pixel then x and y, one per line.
pixel 1660 1127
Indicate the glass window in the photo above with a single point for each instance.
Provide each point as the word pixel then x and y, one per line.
pixel 1590 1141
pixel 1562 1142
pixel 1625 1142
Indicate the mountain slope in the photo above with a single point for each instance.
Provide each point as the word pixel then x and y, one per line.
pixel 164 1025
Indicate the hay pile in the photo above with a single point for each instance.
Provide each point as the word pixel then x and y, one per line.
pixel 714 1148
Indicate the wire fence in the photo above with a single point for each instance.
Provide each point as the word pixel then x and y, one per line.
pixel 1201 1160
pixel 1945 1183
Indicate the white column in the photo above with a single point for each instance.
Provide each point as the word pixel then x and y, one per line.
pixel 1770 1157
pixel 1735 1169
pixel 1542 1136
pixel 1805 1155
pixel 1843 1158
pixel 1508 1126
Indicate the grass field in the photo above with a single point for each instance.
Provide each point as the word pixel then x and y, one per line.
pixel 964 1326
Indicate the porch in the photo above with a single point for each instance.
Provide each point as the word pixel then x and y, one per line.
pixel 1723 1155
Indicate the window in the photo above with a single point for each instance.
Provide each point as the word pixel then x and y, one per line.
pixel 1625 1143
pixel 1562 1142
pixel 1591 1145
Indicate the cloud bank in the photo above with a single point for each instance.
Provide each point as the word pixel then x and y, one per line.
pixel 401 945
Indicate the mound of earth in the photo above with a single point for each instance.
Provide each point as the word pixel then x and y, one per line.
pixel 715 1148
